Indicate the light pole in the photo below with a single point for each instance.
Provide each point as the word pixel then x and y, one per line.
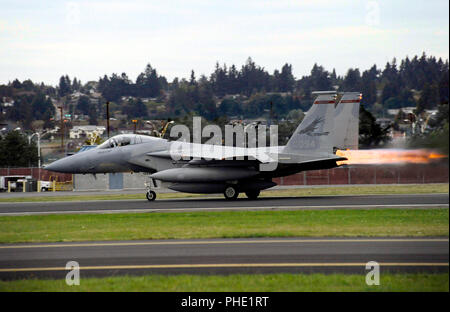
pixel 38 145
pixel 107 118
pixel 39 150
pixel 62 127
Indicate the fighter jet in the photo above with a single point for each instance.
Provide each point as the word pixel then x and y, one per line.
pixel 205 168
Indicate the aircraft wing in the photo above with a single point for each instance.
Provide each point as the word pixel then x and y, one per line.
pixel 206 153
pixel 187 151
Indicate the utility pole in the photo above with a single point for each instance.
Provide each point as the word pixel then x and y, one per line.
pixel 62 127
pixel 107 118
pixel 271 114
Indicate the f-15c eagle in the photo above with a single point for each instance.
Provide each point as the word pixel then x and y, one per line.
pixel 204 168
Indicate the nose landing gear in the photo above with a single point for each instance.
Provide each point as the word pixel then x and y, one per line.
pixel 149 184
pixel 151 195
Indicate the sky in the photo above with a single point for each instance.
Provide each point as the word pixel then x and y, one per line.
pixel 42 40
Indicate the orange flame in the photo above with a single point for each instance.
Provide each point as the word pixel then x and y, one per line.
pixel 388 156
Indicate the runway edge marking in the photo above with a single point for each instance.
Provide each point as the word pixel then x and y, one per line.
pixel 219 209
pixel 224 265
pixel 215 242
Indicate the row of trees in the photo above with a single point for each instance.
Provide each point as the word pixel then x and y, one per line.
pixel 250 79
pixel 421 82
pixel 148 84
pixel 29 107
pixel 391 87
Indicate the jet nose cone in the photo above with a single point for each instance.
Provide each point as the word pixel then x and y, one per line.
pixel 64 165
pixel 56 166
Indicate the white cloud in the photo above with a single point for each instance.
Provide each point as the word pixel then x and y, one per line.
pixel 178 36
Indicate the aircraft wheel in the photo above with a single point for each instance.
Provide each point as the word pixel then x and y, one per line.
pixel 252 194
pixel 231 193
pixel 151 196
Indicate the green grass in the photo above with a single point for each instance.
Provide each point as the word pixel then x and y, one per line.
pixel 298 192
pixel 241 283
pixel 307 223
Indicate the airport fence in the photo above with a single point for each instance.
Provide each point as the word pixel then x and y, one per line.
pixel 37 173
pixel 373 174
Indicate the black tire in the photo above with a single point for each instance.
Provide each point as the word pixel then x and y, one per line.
pixel 231 193
pixel 151 196
pixel 252 194
pixel 43 189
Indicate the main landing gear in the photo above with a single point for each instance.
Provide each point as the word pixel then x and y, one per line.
pixel 231 193
pixel 252 194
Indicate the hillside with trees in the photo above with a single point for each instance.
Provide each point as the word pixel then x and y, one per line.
pixel 250 91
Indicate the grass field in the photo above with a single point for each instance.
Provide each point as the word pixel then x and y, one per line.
pixel 298 192
pixel 307 223
pixel 243 224
pixel 241 283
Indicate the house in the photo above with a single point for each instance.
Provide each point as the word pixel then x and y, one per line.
pixel 86 131
pixel 406 110
pixel 384 122
pixel 7 102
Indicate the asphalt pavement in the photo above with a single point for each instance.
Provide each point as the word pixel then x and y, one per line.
pixel 225 256
pixel 412 201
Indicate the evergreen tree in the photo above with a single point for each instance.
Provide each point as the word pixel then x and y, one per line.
pixel 370 133
pixel 64 86
pixel 135 109
pixel 83 105
pixel 16 84
pixel 352 81
pixel 429 98
pixel 287 80
pixel 16 152
pixel 192 81
pixel 368 89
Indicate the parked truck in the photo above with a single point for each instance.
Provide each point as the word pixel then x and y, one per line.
pixel 17 182
pixel 46 186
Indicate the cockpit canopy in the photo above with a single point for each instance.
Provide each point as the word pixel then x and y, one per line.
pixel 124 139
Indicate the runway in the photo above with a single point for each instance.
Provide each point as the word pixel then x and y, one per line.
pixel 225 256
pixel 218 204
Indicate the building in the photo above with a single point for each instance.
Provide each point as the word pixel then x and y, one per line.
pixel 7 102
pixel 406 110
pixel 78 132
pixel 384 122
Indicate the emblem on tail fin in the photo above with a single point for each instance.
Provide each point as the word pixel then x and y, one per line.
pixel 309 129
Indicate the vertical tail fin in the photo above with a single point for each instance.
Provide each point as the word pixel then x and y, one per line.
pixel 346 121
pixel 314 134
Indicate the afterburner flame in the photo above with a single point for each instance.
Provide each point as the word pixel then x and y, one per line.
pixel 388 156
